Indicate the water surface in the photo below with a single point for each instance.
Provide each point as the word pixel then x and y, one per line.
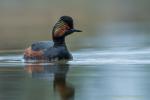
pixel 107 75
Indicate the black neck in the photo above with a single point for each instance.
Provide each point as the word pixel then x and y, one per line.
pixel 59 41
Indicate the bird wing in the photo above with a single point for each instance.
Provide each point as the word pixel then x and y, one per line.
pixel 41 45
pixel 36 50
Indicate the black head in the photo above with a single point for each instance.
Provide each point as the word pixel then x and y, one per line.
pixel 68 20
pixel 63 27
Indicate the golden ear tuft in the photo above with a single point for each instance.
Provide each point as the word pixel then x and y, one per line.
pixel 60 28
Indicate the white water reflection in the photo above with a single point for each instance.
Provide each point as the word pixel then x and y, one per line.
pixel 93 57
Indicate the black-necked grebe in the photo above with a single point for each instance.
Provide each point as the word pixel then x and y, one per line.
pixel 56 49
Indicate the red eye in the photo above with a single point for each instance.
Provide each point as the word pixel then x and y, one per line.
pixel 67 27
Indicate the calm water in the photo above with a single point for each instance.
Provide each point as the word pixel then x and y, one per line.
pixel 110 67
pixel 92 74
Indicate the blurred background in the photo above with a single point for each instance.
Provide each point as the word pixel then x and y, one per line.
pixel 105 23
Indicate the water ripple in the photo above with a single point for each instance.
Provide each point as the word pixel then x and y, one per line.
pixel 90 57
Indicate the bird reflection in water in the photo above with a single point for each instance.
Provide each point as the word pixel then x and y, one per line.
pixel 61 86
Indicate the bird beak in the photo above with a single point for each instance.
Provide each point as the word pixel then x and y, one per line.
pixel 75 30
pixel 72 31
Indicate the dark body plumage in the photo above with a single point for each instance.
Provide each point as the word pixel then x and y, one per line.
pixel 42 45
pixel 53 50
